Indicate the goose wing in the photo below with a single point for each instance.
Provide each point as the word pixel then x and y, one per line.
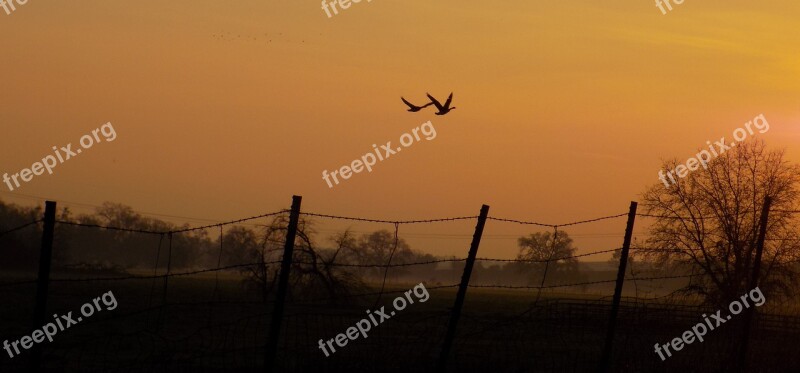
pixel 435 102
pixel 449 100
pixel 408 103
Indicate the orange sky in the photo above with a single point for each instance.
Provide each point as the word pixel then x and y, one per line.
pixel 565 109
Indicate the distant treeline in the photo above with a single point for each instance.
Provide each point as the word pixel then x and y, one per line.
pixel 94 249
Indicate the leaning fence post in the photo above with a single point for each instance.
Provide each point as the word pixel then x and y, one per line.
pixel 45 258
pixel 623 263
pixel 283 283
pixel 748 313
pixel 462 290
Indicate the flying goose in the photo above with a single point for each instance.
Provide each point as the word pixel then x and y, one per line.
pixel 413 108
pixel 442 109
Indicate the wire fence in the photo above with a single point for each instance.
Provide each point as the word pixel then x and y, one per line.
pixel 504 327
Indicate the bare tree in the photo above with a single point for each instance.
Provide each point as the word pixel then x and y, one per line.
pixel 709 222
pixel 314 272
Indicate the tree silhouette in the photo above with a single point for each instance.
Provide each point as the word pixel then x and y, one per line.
pixel 377 248
pixel 549 254
pixel 710 221
pixel 314 271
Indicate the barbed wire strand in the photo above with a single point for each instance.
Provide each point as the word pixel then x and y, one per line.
pixel 189 229
pixel 156 276
pixel 547 260
pixel 20 227
pixel 388 221
pixel 577 283
pixel 235 266
pixel 359 265
pixel 111 228
pixel 182 230
pixel 557 225
pixel 230 222
pixel 177 274
pixel 136 277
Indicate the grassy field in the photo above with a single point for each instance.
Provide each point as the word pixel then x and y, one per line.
pixel 499 331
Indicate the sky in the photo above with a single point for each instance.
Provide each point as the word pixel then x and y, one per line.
pixel 223 110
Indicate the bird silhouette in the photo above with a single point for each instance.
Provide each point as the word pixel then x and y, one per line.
pixel 413 108
pixel 443 109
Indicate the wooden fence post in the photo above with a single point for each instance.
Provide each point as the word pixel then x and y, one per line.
pixel 283 283
pixel 43 281
pixel 462 290
pixel 608 348
pixel 748 313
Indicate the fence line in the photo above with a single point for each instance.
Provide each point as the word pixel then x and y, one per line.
pixel 289 262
